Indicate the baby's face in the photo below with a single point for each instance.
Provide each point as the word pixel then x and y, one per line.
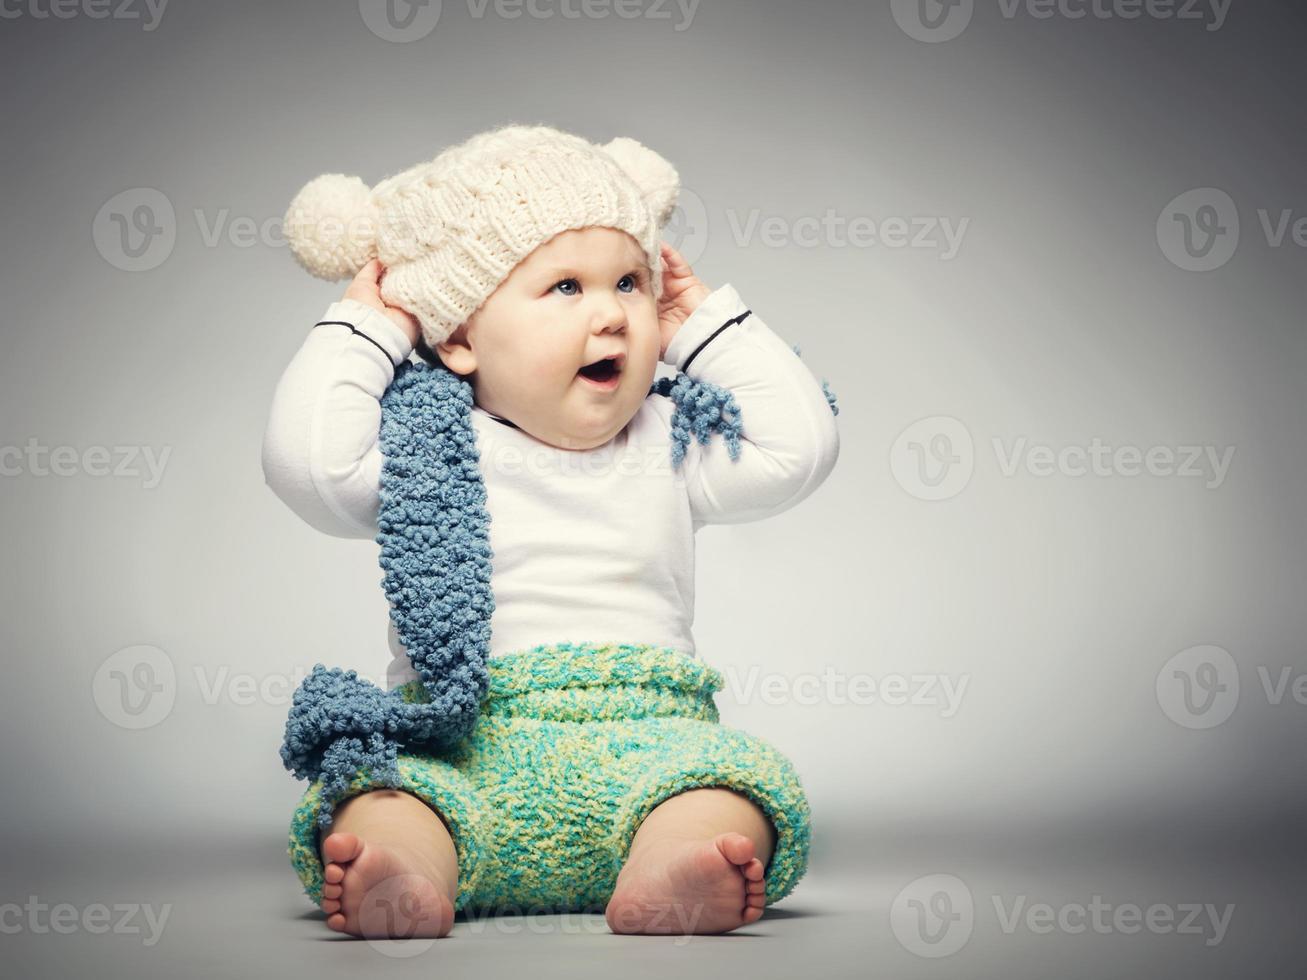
pixel 585 294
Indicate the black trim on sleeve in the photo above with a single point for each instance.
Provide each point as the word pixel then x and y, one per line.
pixel 356 330
pixel 730 322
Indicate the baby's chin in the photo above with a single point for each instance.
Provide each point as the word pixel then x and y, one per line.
pixel 579 440
pixel 589 431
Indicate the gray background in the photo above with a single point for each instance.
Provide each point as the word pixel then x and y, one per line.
pixel 1067 771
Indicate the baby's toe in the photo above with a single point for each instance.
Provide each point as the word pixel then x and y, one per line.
pixel 737 848
pixel 332 891
pixel 342 848
pixel 754 871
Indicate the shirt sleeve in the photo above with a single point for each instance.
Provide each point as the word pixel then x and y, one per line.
pixel 320 448
pixel 789 440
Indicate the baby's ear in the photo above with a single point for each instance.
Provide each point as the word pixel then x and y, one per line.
pixel 456 353
pixel 657 179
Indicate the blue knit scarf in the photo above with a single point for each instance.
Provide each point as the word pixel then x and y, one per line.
pixel 433 530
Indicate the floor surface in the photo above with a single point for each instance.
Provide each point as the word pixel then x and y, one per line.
pixel 1010 907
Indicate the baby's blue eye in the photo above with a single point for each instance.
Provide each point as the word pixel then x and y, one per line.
pixel 634 280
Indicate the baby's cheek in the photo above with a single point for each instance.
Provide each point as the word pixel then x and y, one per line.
pixel 557 366
pixel 538 379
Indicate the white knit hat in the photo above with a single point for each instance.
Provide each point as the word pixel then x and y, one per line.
pixel 451 230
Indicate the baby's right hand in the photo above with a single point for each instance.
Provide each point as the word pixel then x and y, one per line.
pixel 366 289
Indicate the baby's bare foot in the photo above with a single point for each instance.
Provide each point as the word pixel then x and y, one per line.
pixel 383 890
pixel 687 886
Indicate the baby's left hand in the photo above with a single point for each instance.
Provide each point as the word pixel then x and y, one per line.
pixel 682 294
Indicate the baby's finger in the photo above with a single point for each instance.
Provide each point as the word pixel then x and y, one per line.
pixel 674 261
pixel 406 322
pixel 364 286
pixel 370 273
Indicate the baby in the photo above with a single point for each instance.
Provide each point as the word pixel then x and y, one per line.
pixel 539 279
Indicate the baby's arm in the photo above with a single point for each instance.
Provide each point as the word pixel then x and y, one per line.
pixel 789 441
pixel 320 451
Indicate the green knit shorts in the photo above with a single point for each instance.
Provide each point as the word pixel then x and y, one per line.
pixel 575 744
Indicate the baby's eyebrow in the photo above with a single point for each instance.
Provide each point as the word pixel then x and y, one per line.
pixel 568 270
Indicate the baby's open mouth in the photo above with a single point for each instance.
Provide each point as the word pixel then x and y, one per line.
pixel 604 370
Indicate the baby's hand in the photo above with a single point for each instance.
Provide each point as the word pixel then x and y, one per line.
pixel 366 289
pixel 682 294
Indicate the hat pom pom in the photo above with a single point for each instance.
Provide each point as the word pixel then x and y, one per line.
pixel 657 179
pixel 331 227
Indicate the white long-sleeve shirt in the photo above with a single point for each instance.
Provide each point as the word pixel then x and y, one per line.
pixel 589 545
